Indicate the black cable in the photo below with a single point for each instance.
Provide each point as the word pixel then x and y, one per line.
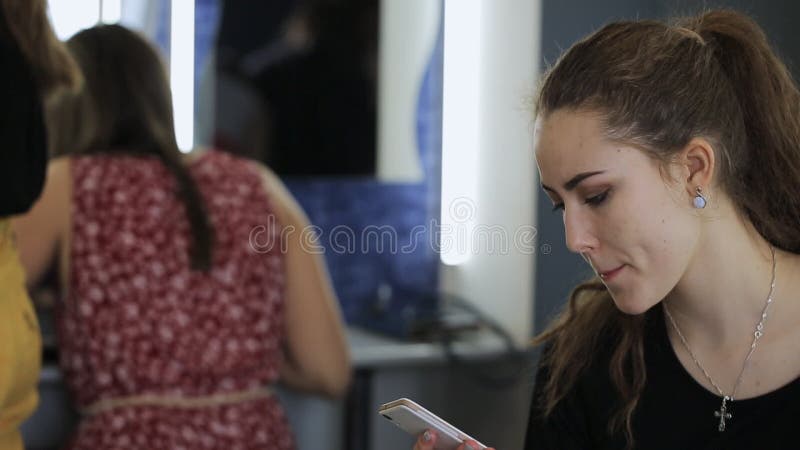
pixel 521 359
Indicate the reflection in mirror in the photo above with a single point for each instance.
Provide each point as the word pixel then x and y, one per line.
pixel 296 84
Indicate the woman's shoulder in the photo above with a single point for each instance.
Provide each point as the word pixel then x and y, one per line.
pixel 218 165
pixel 282 201
pixel 222 163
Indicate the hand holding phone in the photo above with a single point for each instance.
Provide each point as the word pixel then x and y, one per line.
pixel 414 419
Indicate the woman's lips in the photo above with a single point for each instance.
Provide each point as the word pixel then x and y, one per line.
pixel 611 274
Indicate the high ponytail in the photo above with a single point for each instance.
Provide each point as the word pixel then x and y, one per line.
pixel 766 189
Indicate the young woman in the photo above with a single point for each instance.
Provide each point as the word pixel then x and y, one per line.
pixel 34 64
pixel 183 301
pixel 673 153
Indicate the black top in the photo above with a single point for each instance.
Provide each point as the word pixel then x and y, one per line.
pixel 674 412
pixel 23 145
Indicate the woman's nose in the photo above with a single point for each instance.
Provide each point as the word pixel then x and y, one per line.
pixel 579 236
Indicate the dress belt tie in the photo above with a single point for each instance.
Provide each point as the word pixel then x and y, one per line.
pixel 174 401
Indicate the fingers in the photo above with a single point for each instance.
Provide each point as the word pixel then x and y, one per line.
pixel 426 440
pixel 470 445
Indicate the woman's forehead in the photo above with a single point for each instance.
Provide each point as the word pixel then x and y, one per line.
pixel 569 128
pixel 568 138
pixel 571 142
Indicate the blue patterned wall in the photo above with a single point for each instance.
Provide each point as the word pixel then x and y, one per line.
pixel 361 203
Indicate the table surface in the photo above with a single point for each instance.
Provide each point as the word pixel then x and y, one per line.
pixel 370 350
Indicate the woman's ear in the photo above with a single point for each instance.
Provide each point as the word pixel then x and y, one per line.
pixel 697 161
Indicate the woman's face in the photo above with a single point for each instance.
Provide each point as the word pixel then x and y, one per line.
pixel 637 230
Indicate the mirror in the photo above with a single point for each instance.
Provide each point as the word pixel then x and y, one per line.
pixel 342 98
pixel 297 85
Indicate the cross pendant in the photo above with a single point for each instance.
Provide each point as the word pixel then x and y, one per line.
pixel 723 413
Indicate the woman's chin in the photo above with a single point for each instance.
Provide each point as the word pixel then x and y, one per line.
pixel 631 306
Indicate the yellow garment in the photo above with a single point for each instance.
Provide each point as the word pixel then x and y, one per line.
pixel 20 345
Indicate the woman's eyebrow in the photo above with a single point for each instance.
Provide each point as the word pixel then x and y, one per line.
pixel 575 181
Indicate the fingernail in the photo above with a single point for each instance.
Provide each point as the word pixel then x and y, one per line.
pixel 469 447
pixel 427 437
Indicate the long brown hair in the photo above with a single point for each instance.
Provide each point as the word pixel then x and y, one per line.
pixel 27 24
pixel 126 107
pixel 657 86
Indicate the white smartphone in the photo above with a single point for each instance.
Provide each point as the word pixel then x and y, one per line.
pixel 415 419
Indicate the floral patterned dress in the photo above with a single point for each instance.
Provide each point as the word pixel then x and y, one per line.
pixel 138 321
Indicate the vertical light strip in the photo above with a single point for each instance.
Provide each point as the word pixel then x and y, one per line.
pixel 110 11
pixel 460 127
pixel 181 69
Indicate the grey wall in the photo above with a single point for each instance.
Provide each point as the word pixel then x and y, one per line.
pixel 564 22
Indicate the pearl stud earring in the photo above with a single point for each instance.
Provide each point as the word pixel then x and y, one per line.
pixel 699 200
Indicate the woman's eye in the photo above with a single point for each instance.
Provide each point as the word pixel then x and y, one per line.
pixel 597 199
pixel 592 201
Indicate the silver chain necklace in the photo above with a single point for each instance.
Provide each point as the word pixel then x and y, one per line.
pixel 723 413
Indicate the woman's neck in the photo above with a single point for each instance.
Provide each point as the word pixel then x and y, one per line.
pixel 720 298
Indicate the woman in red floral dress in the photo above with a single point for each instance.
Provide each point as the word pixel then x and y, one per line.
pixel 187 290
